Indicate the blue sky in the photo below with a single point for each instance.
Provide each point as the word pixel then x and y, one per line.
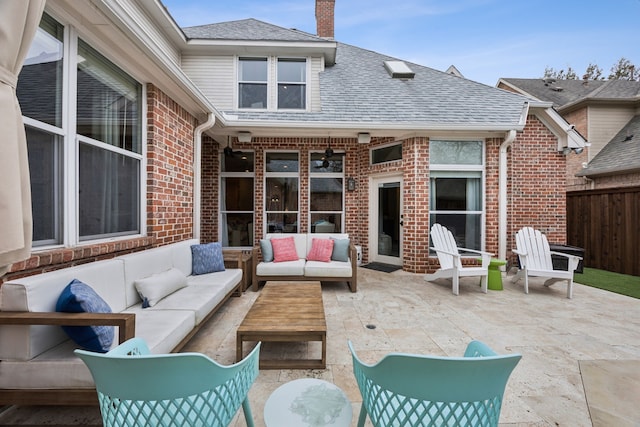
pixel 484 39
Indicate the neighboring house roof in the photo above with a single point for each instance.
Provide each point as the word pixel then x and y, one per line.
pixel 620 155
pixel 567 93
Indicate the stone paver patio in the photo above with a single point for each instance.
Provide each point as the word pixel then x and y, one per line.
pixel 580 365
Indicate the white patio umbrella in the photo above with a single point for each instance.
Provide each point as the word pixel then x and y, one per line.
pixel 19 21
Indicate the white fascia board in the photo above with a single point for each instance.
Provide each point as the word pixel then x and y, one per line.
pixel 566 133
pixel 252 47
pixel 193 97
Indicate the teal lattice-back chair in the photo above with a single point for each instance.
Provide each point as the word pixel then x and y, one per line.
pixel 404 390
pixel 136 388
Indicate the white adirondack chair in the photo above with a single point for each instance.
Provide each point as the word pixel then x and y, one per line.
pixel 533 251
pixel 450 260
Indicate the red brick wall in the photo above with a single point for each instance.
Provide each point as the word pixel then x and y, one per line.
pixel 536 188
pixel 170 175
pixel 209 198
pixel 537 182
pixel 169 197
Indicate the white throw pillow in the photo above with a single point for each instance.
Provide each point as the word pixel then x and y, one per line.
pixel 157 286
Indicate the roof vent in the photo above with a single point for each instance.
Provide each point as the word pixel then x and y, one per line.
pixel 399 70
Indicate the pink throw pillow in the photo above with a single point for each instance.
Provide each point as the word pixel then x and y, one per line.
pixel 284 249
pixel 321 250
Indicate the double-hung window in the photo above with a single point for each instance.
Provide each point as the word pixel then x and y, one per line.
pixel 282 178
pixel 236 199
pixel 292 88
pixel 252 83
pixel 456 189
pixel 84 142
pixel 272 83
pixel 326 197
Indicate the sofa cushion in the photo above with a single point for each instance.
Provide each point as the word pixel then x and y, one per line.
pixel 331 269
pixel 207 258
pixel 321 250
pixel 79 297
pixel 267 250
pixel 340 250
pixel 157 286
pixel 284 249
pixel 288 268
pixel 302 241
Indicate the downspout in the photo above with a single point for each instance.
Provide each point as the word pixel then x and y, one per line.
pixel 502 195
pixel 197 172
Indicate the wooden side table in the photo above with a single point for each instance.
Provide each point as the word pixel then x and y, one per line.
pixel 245 258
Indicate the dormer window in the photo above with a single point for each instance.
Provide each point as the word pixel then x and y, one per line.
pixel 292 88
pixel 272 83
pixel 252 83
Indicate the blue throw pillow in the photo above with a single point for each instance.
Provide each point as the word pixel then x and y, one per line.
pixel 340 250
pixel 79 297
pixel 267 250
pixel 206 258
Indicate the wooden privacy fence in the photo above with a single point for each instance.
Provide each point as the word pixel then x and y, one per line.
pixel 606 224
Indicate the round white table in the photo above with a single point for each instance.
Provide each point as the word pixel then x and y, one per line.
pixel 308 402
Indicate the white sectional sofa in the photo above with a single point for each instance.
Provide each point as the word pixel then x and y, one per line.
pixel 303 269
pixel 37 364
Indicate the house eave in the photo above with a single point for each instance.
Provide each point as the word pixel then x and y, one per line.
pixel 621 170
pixel 327 49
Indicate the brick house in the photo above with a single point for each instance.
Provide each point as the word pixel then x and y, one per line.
pixel 607 113
pixel 141 133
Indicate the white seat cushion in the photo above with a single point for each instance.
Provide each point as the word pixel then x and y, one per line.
pixel 327 269
pixel 287 268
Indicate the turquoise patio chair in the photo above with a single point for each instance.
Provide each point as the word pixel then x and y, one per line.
pixel 136 388
pixel 414 390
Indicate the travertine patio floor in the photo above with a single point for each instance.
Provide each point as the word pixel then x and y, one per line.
pixel 580 365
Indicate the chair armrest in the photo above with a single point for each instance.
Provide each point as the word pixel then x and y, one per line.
pixel 565 255
pixel 445 251
pixel 126 322
pixel 572 260
pixel 476 251
pixel 518 252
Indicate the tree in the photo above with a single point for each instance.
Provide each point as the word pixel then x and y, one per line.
pixel 593 72
pixel 570 74
pixel 622 70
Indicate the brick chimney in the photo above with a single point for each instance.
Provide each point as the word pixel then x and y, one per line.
pixel 325 17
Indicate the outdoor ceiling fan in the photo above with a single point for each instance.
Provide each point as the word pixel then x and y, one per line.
pixel 329 153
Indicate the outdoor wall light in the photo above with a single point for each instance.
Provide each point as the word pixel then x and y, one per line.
pixel 566 151
pixel 578 150
pixel 351 184
pixel 244 136
pixel 364 138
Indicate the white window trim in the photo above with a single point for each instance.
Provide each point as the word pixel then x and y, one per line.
pixel 272 83
pixel 234 175
pixel 465 168
pixel 266 175
pixel 328 175
pixel 70 144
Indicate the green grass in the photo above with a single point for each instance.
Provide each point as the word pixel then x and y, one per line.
pixel 623 284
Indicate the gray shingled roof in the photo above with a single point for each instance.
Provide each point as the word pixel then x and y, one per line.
pixel 621 154
pixel 358 89
pixel 250 30
pixel 567 92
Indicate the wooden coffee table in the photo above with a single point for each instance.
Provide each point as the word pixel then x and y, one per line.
pixel 286 312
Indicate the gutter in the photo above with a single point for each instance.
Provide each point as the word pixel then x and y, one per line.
pixel 197 172
pixel 502 195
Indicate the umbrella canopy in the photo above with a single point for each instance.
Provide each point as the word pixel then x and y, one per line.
pixel 18 25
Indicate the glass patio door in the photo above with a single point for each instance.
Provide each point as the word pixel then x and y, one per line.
pixel 386 220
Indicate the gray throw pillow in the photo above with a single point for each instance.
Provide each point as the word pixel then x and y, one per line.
pixel 267 250
pixel 340 250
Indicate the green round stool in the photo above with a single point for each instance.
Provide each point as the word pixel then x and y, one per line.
pixel 494 278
